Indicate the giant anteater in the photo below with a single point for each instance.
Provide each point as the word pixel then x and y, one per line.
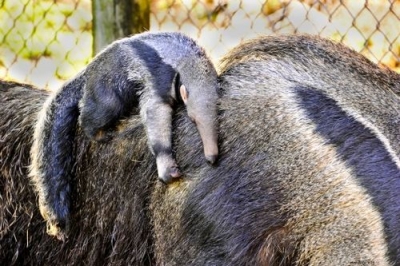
pixel 301 179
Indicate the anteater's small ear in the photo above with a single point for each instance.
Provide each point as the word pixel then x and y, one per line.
pixel 184 93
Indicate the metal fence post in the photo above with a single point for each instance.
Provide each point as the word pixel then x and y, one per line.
pixel 115 19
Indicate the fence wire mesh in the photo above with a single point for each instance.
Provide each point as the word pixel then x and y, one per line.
pixel 45 42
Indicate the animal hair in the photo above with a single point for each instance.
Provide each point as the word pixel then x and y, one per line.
pixel 132 75
pixel 302 182
pixel 361 90
pixel 354 82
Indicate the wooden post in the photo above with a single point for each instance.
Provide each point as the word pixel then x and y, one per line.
pixel 115 19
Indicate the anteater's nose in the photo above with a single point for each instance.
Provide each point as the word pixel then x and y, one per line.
pixel 211 158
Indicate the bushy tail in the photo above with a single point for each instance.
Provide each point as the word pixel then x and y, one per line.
pixel 52 156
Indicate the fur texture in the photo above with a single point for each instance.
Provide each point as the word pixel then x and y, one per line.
pixel 354 93
pixel 366 92
pixel 133 75
pixel 300 183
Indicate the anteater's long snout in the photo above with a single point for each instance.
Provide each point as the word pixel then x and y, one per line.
pixel 202 109
pixel 209 136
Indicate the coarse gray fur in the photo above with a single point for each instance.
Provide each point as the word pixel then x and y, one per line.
pixel 299 182
pixel 140 74
pixel 368 93
pixel 363 91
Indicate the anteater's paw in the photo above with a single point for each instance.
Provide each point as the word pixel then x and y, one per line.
pixel 168 169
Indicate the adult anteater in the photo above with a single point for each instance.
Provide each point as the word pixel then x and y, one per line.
pixel 287 189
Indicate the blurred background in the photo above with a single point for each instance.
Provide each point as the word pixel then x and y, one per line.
pixel 45 42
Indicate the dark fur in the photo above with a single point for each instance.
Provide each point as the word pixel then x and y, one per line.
pixel 293 186
pixel 131 75
pixel 110 224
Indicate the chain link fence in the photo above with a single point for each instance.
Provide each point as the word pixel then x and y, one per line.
pixel 45 42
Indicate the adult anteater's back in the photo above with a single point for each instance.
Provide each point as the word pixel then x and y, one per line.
pixel 298 182
pixel 285 191
pixel 20 222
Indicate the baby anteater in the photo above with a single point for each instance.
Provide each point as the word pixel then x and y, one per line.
pixel 150 73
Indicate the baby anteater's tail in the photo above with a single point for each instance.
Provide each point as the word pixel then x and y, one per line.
pixel 52 156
